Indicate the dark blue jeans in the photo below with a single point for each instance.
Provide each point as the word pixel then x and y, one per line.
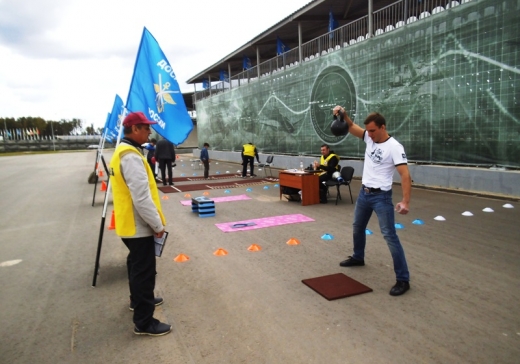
pixel 141 278
pixel 381 203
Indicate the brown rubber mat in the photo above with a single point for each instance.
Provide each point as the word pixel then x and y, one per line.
pixel 336 286
pixel 200 177
pixel 211 186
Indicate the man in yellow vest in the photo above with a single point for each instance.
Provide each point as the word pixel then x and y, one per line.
pixel 138 219
pixel 249 153
pixel 327 166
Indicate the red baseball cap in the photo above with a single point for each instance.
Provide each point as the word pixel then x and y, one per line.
pixel 135 118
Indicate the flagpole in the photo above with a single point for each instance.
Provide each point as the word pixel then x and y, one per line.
pixel 105 204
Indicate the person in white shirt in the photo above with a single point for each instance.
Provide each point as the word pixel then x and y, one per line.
pixel 383 155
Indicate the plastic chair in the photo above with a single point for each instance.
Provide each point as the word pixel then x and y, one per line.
pixel 268 163
pixel 347 173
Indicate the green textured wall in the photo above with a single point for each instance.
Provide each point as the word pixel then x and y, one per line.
pixel 447 86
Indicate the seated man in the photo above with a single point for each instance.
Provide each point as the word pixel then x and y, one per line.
pixel 328 165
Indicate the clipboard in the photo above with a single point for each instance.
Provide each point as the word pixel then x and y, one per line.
pixel 160 243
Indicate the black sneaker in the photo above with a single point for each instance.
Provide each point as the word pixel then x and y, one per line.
pixel 157 301
pixel 351 262
pixel 400 288
pixel 171 184
pixel 155 328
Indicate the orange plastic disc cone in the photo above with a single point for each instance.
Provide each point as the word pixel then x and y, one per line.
pixel 103 186
pixel 187 195
pixel 181 258
pixel 112 225
pixel 206 193
pixel 293 241
pixel 254 248
pixel 220 251
pixel 165 197
pixel 177 157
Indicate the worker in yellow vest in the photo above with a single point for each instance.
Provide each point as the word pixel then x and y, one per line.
pixel 139 220
pixel 327 166
pixel 249 153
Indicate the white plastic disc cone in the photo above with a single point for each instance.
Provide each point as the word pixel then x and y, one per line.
pixel 467 213
pixel 439 218
pixel 508 206
pixel 488 209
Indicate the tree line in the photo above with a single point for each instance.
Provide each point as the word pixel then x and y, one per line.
pixel 48 127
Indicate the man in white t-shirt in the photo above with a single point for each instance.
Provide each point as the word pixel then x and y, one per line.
pixel 383 155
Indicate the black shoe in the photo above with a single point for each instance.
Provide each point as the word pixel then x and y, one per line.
pixel 155 328
pixel 351 262
pixel 157 302
pixel 171 184
pixel 400 288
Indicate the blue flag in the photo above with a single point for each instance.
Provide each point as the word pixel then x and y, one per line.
pixel 333 23
pixel 205 83
pixel 116 116
pixel 154 91
pixel 246 63
pixel 224 76
pixel 281 48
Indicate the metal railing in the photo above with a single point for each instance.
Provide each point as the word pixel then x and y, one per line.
pixel 393 16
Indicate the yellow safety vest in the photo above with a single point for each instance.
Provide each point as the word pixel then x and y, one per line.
pixel 324 161
pixel 249 150
pixel 123 206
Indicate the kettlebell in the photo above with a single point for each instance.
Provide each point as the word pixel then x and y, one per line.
pixel 339 126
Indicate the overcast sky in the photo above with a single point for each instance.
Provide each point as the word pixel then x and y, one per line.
pixel 64 59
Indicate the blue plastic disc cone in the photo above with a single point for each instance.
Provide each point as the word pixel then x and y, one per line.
pixel 218 172
pixel 227 191
pixel 249 190
pixel 368 232
pixel 266 187
pixel 418 222
pixel 277 185
pixel 194 174
pixel 327 237
pixel 399 226
pixel 183 165
pixel 183 174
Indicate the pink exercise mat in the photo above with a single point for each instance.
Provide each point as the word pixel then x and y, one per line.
pixel 220 199
pixel 264 222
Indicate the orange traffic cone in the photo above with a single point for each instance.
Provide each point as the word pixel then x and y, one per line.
pixel 293 241
pixel 112 222
pixel 220 252
pixel 103 186
pixel 165 197
pixel 100 173
pixel 254 248
pixel 181 258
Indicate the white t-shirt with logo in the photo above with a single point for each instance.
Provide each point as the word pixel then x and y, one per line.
pixel 380 162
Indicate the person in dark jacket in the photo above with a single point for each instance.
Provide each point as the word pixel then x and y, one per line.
pixel 150 155
pixel 165 154
pixel 204 157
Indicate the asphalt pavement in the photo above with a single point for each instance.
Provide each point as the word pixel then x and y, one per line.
pixel 251 307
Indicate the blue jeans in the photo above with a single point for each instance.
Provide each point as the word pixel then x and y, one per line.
pixel 381 203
